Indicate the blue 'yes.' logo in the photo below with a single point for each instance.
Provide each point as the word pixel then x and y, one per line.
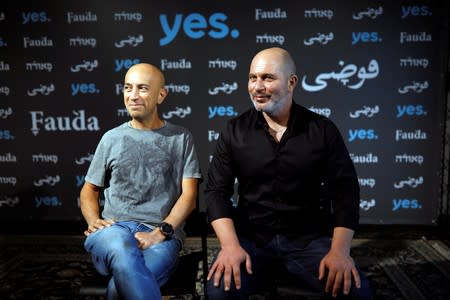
pixel 49 201
pixel 79 180
pixel 196 26
pixel 124 64
pixel 83 88
pixel 221 111
pixel 361 134
pixel 34 17
pixel 365 37
pixel 405 204
pixel 410 110
pixel 6 135
pixel 415 11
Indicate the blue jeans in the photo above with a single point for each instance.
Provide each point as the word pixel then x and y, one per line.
pixel 281 256
pixel 135 273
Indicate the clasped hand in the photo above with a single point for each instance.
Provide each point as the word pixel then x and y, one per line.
pixel 97 225
pixel 147 239
pixel 144 239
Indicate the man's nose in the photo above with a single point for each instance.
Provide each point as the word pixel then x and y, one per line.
pixel 134 93
pixel 259 84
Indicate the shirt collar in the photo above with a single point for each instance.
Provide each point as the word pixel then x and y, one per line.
pixel 293 118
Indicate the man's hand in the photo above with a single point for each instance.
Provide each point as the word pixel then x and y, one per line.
pixel 147 239
pixel 340 269
pixel 97 225
pixel 228 265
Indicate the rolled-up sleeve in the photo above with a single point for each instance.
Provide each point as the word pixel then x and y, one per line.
pixel 220 180
pixel 342 180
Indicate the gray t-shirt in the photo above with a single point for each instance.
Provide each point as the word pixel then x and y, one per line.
pixel 141 171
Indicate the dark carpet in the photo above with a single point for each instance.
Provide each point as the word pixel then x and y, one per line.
pixel 56 266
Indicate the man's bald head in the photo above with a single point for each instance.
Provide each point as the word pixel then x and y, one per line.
pixel 157 77
pixel 279 55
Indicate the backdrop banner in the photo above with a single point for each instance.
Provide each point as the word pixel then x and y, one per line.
pixel 375 68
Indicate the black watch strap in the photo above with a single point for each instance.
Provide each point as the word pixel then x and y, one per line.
pixel 166 229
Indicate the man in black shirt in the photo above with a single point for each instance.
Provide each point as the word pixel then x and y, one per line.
pixel 298 193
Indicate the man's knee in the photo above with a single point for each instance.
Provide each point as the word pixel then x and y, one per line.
pixel 364 292
pixel 220 294
pixel 215 292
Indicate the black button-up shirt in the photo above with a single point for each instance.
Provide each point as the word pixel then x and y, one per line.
pixel 302 186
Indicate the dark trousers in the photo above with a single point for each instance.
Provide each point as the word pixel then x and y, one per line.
pixel 278 258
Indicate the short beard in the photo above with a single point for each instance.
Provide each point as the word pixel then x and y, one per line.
pixel 273 109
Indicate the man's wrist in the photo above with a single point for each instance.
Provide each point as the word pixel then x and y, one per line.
pixel 166 229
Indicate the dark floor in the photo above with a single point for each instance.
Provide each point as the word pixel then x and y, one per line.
pixel 401 262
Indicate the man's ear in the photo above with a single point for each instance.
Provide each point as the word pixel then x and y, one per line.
pixel 292 82
pixel 163 92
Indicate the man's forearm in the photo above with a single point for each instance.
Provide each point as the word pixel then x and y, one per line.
pixel 342 240
pixel 225 232
pixel 90 208
pixel 185 204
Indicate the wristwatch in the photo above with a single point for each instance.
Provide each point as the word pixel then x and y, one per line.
pixel 166 229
